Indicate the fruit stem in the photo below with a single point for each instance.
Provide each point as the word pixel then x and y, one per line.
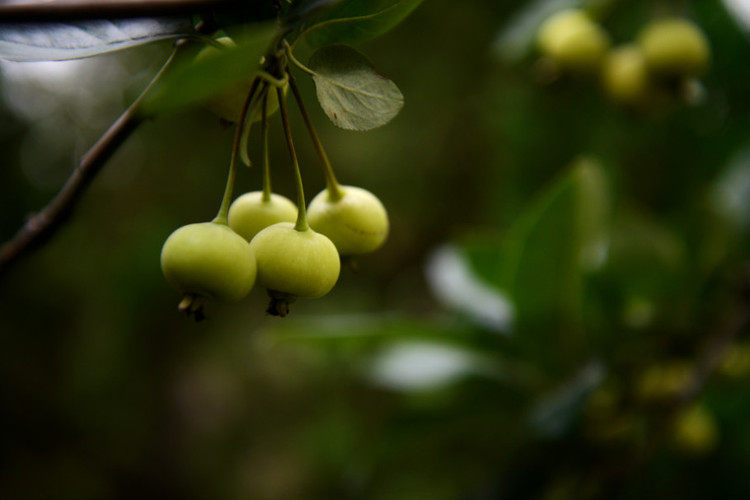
pixel 301 224
pixel 266 197
pixel 335 192
pixel 269 78
pixel 296 61
pixel 221 217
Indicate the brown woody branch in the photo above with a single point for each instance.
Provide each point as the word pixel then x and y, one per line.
pixel 42 225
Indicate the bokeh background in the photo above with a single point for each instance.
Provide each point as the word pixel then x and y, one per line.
pixel 421 375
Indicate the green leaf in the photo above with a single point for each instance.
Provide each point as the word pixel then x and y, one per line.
pixel 544 255
pixel 196 81
pixel 64 41
pixel 594 213
pixel 356 21
pixel 349 90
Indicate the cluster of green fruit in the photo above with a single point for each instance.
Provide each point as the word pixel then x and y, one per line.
pixel 264 237
pixel 663 62
pixel 615 415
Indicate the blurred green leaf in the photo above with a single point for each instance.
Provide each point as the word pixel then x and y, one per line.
pixel 64 41
pixel 349 90
pixel 731 192
pixel 740 12
pixel 363 331
pixel 459 287
pixel 195 81
pixel 594 213
pixel 356 21
pixel 420 365
pixel 542 260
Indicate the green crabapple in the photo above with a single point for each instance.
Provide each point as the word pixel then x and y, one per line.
pixel 294 263
pixel 356 223
pixel 675 47
pixel 250 213
pixel 209 260
pixel 573 40
pixel 625 76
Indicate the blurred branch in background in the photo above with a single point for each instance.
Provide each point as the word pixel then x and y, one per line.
pixel 717 346
pixel 42 225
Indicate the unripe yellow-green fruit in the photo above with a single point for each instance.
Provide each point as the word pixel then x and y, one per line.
pixel 295 263
pixel 356 223
pixel 573 40
pixel 663 382
pixel 736 362
pixel 250 213
pixel 228 104
pixel 625 76
pixel 675 47
pixel 695 431
pixel 209 260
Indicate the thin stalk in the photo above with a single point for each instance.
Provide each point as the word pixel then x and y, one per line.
pixel 247 125
pixel 266 158
pixel 272 80
pixel 268 80
pixel 221 217
pixel 335 192
pixel 295 61
pixel 301 224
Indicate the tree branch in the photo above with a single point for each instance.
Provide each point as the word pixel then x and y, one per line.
pixel 41 226
pixel 68 10
pixel 719 343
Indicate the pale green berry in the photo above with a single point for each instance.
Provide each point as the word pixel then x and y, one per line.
pixel 296 263
pixel 695 431
pixel 209 260
pixel 357 222
pixel 625 76
pixel 573 40
pixel 664 381
pixel 250 213
pixel 675 47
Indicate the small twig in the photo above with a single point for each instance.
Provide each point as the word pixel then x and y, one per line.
pixel 714 353
pixel 42 225
pixel 717 346
pixel 334 188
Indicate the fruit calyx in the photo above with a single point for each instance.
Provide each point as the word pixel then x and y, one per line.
pixel 192 305
pixel 279 303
